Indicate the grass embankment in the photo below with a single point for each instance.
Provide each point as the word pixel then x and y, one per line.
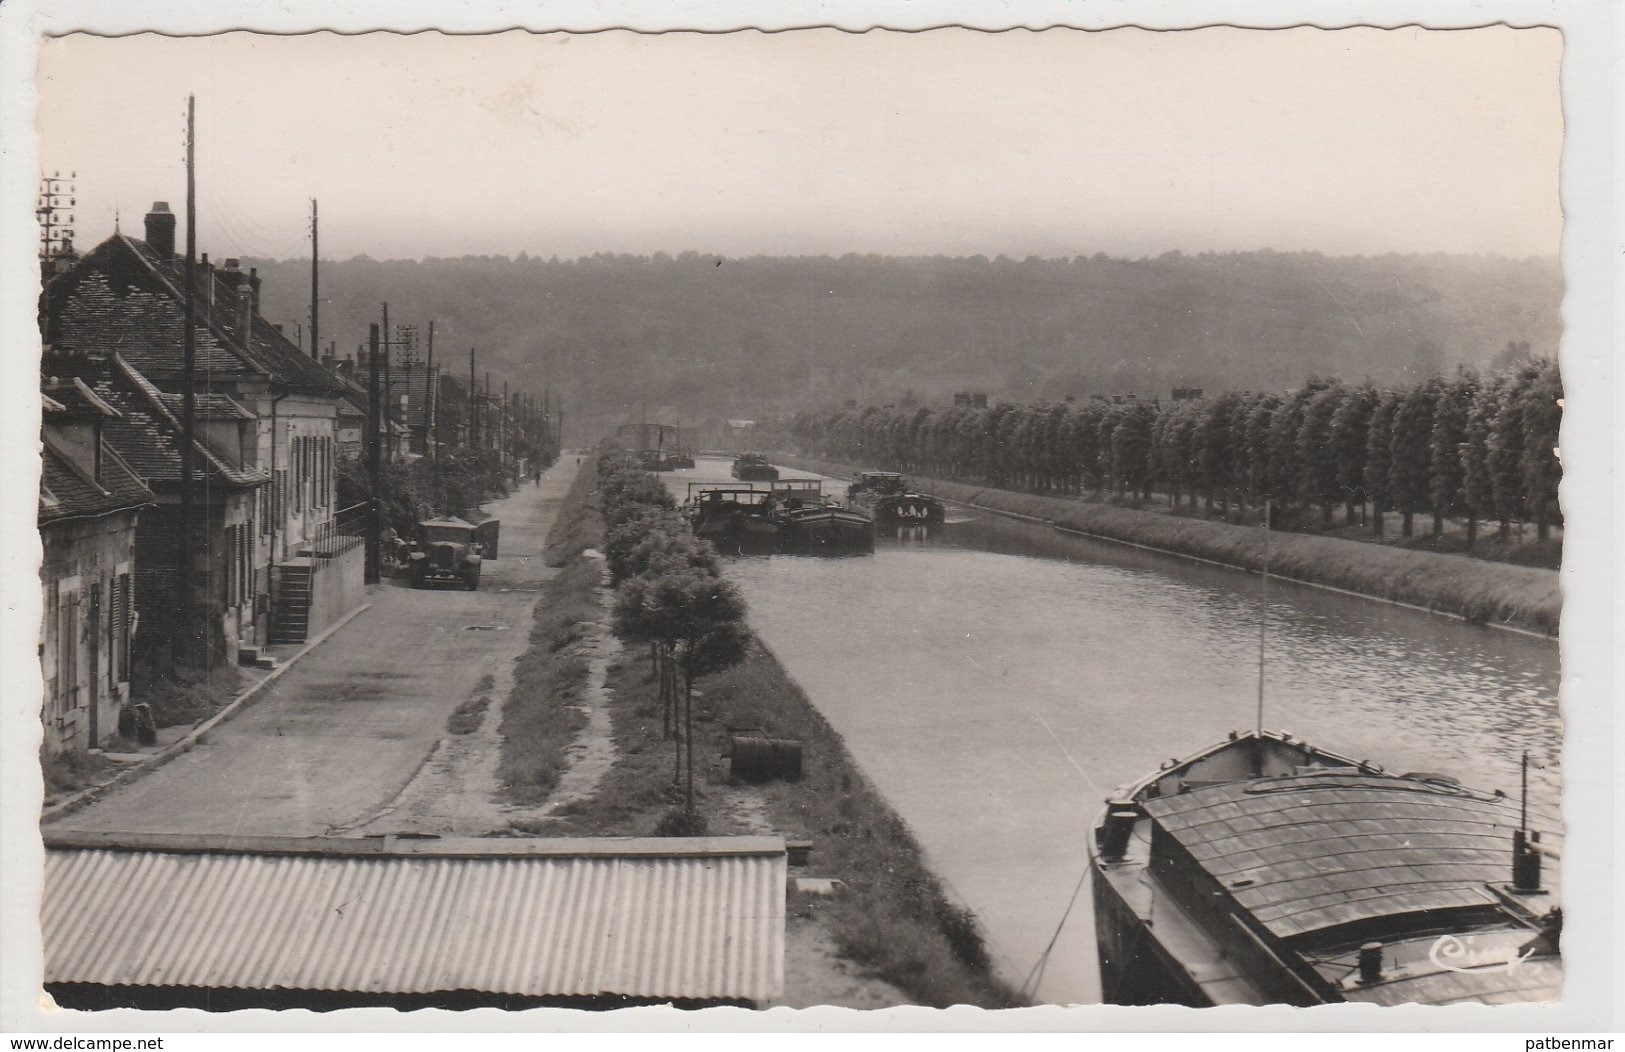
pixel 577 525
pixel 1480 591
pixel 541 718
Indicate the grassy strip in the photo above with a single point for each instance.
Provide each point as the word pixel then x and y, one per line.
pixel 192 694
pixel 541 719
pixel 471 713
pixel 893 917
pixel 67 773
pixel 577 526
pixel 1475 589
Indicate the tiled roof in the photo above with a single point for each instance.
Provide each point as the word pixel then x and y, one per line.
pixel 206 407
pixel 147 434
pixel 72 396
pixel 121 298
pixel 68 491
pixel 667 918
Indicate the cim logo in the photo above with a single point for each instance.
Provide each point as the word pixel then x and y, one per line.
pixel 1451 954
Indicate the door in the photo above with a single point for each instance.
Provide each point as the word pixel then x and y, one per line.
pixel 487 533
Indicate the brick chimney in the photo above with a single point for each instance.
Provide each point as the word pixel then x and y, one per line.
pixel 161 230
pixel 254 284
pixel 245 309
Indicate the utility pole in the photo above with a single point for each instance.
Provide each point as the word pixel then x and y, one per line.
pixel 188 381
pixel 473 413
pixel 389 391
pixel 375 524
pixel 431 398
pixel 315 301
pixel 56 195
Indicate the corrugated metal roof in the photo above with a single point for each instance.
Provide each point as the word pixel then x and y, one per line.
pixel 666 918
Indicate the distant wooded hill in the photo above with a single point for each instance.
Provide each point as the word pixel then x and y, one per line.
pixel 697 335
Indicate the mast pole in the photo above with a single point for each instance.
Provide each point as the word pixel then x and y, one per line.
pixel 1263 627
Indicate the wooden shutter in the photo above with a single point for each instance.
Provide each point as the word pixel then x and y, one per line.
pixel 115 630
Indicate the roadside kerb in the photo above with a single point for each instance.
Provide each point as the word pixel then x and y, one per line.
pixel 197 734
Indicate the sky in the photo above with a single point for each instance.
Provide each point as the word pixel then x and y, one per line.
pixel 955 142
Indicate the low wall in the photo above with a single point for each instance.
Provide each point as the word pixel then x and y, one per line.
pixel 1519 597
pixel 338 587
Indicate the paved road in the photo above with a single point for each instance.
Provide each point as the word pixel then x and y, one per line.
pixel 344 730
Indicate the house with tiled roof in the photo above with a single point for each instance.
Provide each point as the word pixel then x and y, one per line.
pixel 90 502
pixel 146 433
pixel 275 406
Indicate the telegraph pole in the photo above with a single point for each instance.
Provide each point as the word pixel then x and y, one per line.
pixel 375 525
pixel 188 380
pixel 315 329
pixel 431 392
pixel 473 415
pixel 55 233
pixel 389 391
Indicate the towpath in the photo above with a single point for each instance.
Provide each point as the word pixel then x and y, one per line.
pixel 339 736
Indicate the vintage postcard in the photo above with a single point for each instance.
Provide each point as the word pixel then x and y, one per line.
pixel 801 520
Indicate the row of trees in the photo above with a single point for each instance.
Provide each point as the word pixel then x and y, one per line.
pixel 455 483
pixel 1472 447
pixel 671 598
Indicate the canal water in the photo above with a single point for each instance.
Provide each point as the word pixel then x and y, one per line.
pixel 996 682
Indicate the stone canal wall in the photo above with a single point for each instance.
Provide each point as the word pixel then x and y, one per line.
pixel 1521 598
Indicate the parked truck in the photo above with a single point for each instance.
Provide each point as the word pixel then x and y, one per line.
pixel 450 549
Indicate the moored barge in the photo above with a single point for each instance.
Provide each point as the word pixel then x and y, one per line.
pixel 1263 870
pixel 823 529
pixel 754 467
pixel 733 517
pixel 888 499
